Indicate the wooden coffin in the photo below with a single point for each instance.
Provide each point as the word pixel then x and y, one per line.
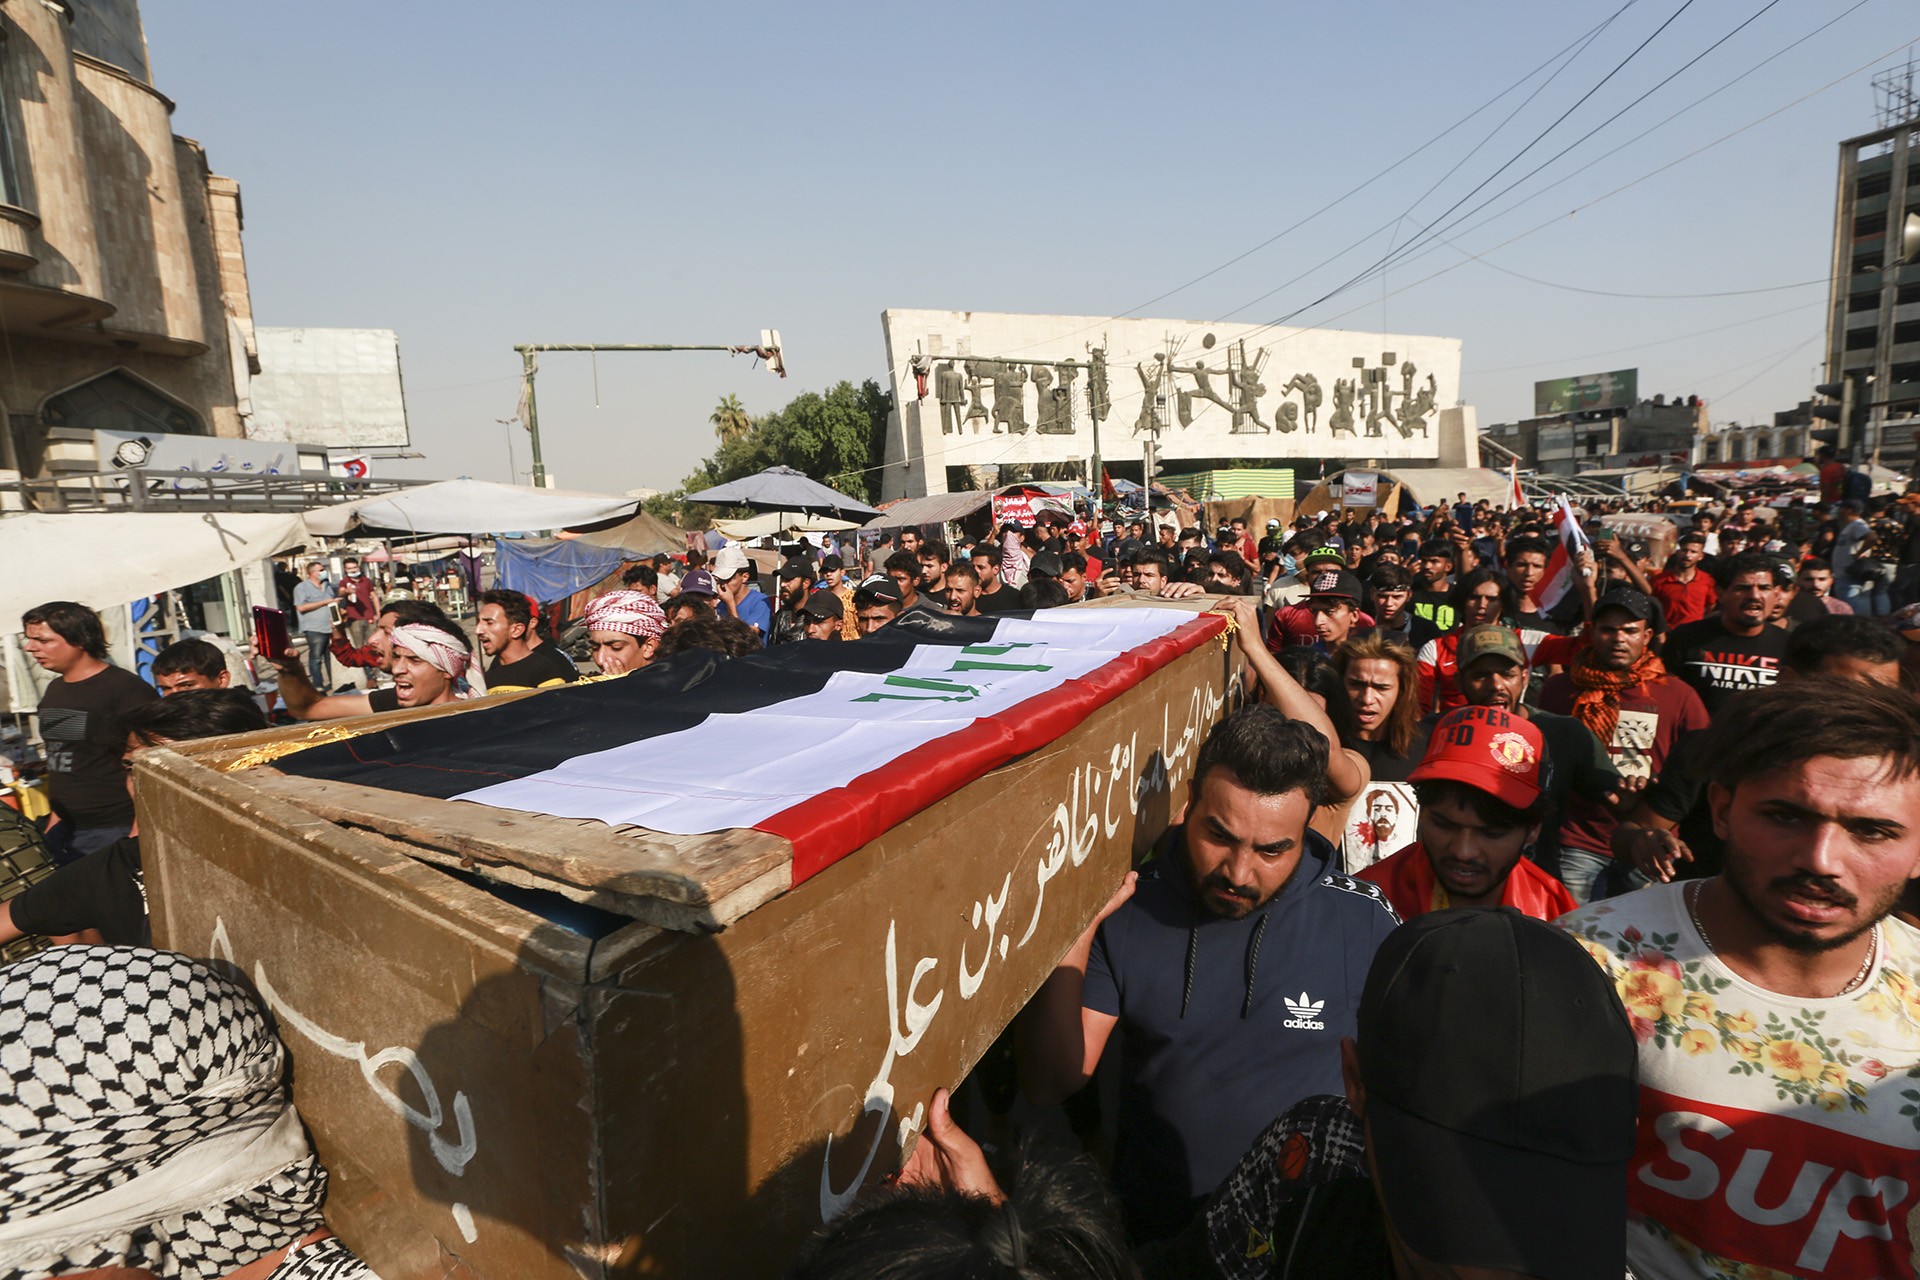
pixel 497 1096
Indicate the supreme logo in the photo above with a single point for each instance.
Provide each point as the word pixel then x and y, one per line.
pixel 1773 1190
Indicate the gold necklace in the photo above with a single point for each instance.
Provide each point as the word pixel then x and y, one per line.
pixel 1866 965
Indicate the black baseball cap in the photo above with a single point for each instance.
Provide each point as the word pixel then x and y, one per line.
pixel 1637 603
pixel 1334 583
pixel 880 589
pixel 1501 1095
pixel 1047 564
pixel 795 569
pixel 824 606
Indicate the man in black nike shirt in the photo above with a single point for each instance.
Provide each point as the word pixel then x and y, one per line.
pixel 1735 648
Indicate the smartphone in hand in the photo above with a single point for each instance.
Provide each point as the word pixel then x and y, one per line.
pixel 270 637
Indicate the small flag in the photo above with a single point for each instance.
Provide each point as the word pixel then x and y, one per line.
pixel 1516 498
pixel 1569 540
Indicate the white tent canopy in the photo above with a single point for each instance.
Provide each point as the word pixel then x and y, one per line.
pixel 107 560
pixel 468 506
pixel 777 522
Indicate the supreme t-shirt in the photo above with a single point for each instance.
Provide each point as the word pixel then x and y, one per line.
pixel 1719 664
pixel 1777 1135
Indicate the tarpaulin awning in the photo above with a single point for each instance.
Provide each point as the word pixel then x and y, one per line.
pixel 644 535
pixel 552 570
pixel 935 508
pixel 109 560
pixel 468 506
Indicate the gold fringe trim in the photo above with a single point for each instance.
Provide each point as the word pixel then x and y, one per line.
pixel 272 751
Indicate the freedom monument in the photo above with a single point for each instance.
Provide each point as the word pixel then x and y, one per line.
pixel 975 390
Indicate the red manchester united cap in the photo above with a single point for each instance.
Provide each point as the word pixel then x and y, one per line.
pixel 1489 749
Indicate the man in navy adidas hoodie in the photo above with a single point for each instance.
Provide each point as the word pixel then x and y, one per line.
pixel 1231 966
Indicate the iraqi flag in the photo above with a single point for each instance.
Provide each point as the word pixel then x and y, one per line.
pixel 1569 540
pixel 1516 497
pixel 825 743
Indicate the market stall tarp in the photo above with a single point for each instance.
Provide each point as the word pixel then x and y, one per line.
pixel 1423 486
pixel 643 536
pixel 551 570
pixel 934 509
pixel 776 522
pixel 468 506
pixel 108 560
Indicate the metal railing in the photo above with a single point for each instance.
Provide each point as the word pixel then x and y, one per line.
pixel 138 489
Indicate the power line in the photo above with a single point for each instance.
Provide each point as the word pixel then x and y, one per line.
pixel 1642 346
pixel 1611 293
pixel 1510 162
pixel 1575 47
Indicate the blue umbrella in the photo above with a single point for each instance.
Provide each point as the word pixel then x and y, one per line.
pixel 784 489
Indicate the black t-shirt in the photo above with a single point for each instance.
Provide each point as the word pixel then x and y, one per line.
pixel 383 699
pixel 1720 665
pixel 546 665
pixel 103 891
pixel 1434 607
pixel 939 598
pixel 1577 763
pixel 1388 767
pixel 1005 600
pixel 81 722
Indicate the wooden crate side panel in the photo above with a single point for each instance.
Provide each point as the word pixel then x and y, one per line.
pixel 436 1054
pixel 826 1018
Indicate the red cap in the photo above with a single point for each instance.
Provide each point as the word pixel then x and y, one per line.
pixel 1488 749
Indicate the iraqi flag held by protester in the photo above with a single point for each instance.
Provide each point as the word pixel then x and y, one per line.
pixel 1516 496
pixel 1570 539
pixel 827 744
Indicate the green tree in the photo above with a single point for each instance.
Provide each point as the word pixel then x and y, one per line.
pixel 730 421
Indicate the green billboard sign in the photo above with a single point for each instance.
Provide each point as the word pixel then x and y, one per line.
pixel 1616 390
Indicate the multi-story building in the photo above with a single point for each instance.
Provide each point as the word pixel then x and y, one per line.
pixel 123 285
pixel 1873 312
pixel 1647 433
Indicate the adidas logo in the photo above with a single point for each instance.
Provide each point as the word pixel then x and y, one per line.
pixel 1303 1011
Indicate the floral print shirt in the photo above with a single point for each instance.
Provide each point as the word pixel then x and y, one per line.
pixel 1779 1136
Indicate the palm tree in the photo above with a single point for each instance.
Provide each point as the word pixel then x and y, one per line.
pixel 730 421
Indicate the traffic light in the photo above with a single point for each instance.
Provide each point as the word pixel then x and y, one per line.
pixel 1839 410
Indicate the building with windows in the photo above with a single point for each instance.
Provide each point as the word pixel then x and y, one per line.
pixel 1873 307
pixel 1646 433
pixel 123 283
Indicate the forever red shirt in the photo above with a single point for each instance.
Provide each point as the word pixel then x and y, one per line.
pixel 1684 601
pixel 1412 889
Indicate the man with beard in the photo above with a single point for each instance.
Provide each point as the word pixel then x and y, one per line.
pixel 796 583
pixel 1480 807
pixel 963 590
pixel 1231 968
pixel 1774 1003
pixel 1737 649
pixel 505 629
pixel 1620 690
pixel 1493 673
pixel 995 595
pixel 1432 580
pixel 934 559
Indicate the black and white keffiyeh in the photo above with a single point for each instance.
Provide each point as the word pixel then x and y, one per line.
pixel 145 1124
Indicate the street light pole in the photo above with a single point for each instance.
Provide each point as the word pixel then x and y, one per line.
pixel 767 349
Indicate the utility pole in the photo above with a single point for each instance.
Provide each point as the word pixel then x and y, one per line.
pixel 767 349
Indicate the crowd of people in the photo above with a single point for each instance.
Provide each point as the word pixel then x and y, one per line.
pixel 1546 911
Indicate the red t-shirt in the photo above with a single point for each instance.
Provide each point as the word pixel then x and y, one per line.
pixel 1652 718
pixel 1411 887
pixel 1292 624
pixel 1833 479
pixel 1684 601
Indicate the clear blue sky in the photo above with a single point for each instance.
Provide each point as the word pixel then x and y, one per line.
pixel 479 174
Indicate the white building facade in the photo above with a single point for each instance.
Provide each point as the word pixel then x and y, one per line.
pixel 980 390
